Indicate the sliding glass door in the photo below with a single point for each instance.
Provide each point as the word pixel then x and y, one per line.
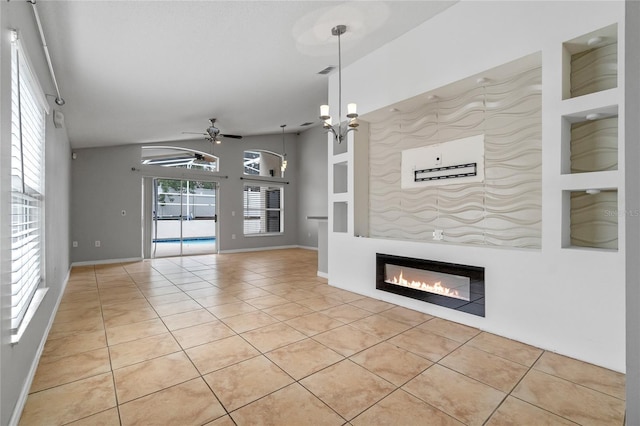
pixel 184 217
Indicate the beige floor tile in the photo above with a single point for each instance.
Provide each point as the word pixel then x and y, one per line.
pixel 406 316
pixel 594 377
pixel 221 353
pixel 346 313
pixel 71 328
pixel 219 299
pixel 198 285
pixel 70 402
pixel 108 417
pixel 242 383
pixel 222 421
pixel 273 336
pixel 293 405
pixel 150 376
pixel 380 326
pixel 249 321
pixel 346 340
pixel 168 298
pixel 313 324
pixel 201 334
pixel 295 294
pixel 287 311
pixel 372 305
pixel 231 309
pixel 188 319
pixel 516 412
pixel 451 330
pixel 468 400
pixel 189 403
pixel 303 358
pixel 506 348
pixel 70 345
pixel 320 303
pixel 492 370
pixel 268 301
pixel 139 330
pixel 167 309
pixel 427 345
pixel 82 313
pixel 55 371
pixel 112 296
pixel 391 363
pixel 244 291
pixel 91 302
pixel 401 408
pixel 569 400
pixel 334 383
pixel 159 291
pixel 142 350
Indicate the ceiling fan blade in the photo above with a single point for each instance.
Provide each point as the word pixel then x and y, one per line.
pixel 231 136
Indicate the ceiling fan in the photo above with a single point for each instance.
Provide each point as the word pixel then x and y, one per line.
pixel 212 133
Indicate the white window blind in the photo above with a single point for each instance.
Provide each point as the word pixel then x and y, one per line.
pixel 27 184
pixel 263 209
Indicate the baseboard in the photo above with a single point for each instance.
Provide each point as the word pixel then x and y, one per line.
pixel 308 248
pixel 257 249
pixel 24 394
pixel 106 261
pixel 323 275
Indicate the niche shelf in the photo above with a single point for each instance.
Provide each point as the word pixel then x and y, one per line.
pixel 591 142
pixel 591 218
pixel 591 63
pixel 340 216
pixel 340 177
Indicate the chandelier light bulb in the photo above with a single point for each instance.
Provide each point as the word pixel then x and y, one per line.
pixel 324 111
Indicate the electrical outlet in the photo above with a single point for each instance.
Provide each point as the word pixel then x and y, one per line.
pixel 233 236
pixel 75 244
pixel 97 243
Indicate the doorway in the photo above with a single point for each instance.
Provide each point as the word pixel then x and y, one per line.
pixel 184 217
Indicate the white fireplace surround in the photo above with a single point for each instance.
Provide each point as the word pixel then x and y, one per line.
pixel 563 299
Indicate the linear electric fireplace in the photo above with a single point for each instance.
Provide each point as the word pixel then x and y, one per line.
pixel 459 287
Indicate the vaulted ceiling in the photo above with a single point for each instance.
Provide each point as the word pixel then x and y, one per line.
pixel 145 71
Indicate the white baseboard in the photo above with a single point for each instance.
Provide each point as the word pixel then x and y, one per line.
pixel 257 249
pixel 308 248
pixel 106 261
pixel 323 275
pixel 24 393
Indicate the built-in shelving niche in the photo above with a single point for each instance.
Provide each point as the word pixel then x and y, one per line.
pixel 591 63
pixel 592 218
pixel 340 216
pixel 340 178
pixel 594 145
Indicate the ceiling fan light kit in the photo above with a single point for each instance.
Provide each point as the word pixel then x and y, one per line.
pixel 339 132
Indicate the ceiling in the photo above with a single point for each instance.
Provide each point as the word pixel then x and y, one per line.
pixel 146 71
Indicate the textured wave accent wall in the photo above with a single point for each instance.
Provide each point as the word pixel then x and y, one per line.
pixel 594 146
pixel 594 219
pixel 504 210
pixel 594 70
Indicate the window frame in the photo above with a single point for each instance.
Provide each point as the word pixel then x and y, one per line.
pixel 263 209
pixel 29 109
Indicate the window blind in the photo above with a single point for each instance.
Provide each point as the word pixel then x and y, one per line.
pixel 263 208
pixel 27 184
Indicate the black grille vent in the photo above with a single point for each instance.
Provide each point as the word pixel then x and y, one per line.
pixel 327 70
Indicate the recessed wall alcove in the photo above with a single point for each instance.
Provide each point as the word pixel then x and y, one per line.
pixel 503 105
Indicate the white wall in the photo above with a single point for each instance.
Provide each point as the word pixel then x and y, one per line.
pixel 18 361
pixel 565 300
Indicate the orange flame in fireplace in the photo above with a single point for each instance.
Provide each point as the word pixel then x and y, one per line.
pixel 436 288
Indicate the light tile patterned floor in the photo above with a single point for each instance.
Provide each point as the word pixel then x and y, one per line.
pixel 258 338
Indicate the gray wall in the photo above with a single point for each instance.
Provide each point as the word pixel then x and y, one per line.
pixel 632 193
pixel 104 185
pixel 17 361
pixel 312 183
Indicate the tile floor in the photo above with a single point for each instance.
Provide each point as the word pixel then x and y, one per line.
pixel 258 338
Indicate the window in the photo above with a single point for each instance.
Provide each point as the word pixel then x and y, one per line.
pixel 263 209
pixel 171 156
pixel 263 163
pixel 28 109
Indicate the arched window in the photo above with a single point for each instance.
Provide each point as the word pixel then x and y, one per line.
pixel 171 156
pixel 258 162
